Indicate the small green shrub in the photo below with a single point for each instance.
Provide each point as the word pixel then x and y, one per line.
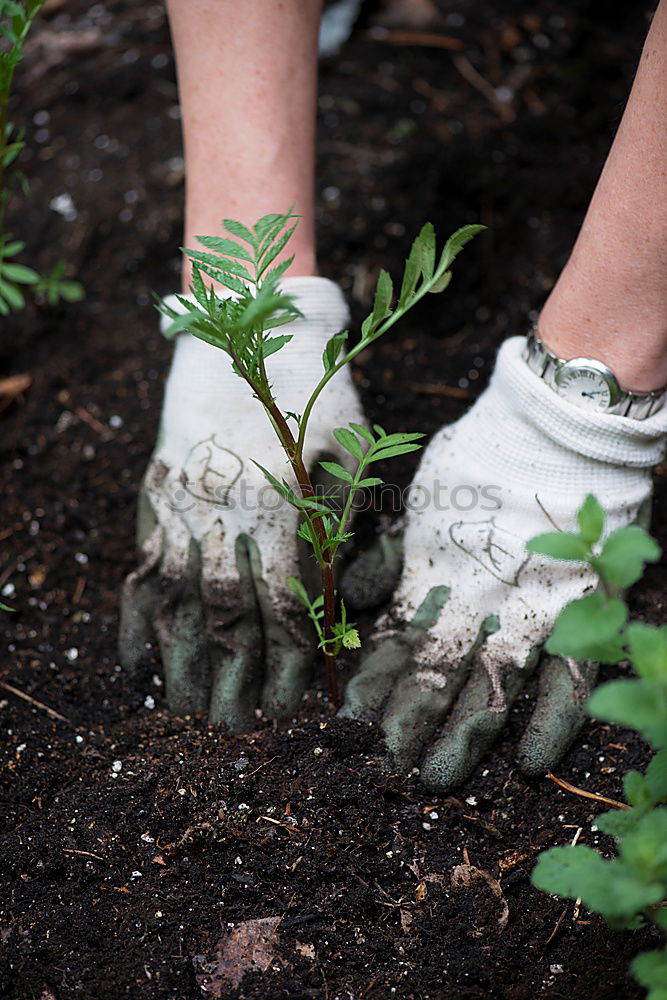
pixel 631 888
pixel 15 22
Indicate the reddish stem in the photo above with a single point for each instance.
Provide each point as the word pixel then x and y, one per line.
pixel 326 570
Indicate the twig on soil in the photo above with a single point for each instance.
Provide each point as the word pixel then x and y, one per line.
pixel 427 39
pixel 92 422
pixel 556 928
pixel 71 850
pixel 79 589
pixel 33 701
pixel 586 795
pixel 276 822
pixel 476 80
pixel 250 773
pixel 11 388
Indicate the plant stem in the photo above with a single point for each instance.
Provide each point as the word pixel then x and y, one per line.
pixel 329 590
pixel 294 455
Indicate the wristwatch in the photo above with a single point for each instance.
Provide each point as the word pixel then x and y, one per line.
pixel 589 383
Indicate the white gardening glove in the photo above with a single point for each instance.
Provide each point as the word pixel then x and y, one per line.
pixel 216 542
pixel 473 608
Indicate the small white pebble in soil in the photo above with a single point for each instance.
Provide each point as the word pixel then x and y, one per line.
pixel 434 815
pixel 72 654
pixel 147 839
pixel 427 826
pixel 117 766
pixel 63 205
pixel 318 751
pixel 115 421
pixel 21 747
pixel 237 861
pixel 9 590
pixel 149 701
pixel 158 913
pixel 81 558
pixel 135 875
pixel 157 680
pixel 471 800
pixel 555 969
pixel 243 806
pixel 504 94
pixel 181 791
pixel 78 739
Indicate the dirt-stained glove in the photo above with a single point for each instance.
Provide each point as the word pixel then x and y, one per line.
pixel 216 542
pixel 473 607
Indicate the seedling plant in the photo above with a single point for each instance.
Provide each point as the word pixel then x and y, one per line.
pixel 16 19
pixel 245 327
pixel 630 889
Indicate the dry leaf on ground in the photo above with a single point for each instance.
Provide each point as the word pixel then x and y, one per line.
pixel 249 947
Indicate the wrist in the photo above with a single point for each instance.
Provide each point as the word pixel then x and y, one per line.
pixel 630 339
pixel 588 383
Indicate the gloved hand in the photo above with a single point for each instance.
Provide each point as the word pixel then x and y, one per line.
pixel 216 542
pixel 473 608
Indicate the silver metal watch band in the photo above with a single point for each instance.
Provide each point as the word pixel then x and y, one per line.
pixel 639 406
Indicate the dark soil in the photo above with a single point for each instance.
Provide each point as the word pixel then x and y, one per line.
pixel 134 841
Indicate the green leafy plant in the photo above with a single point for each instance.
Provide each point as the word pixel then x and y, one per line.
pixel 247 327
pixel 631 888
pixel 15 22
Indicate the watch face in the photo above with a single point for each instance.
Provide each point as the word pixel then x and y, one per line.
pixel 587 383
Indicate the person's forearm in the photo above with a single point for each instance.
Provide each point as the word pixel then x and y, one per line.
pixel 610 301
pixel 247 76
